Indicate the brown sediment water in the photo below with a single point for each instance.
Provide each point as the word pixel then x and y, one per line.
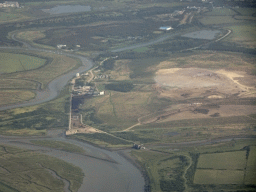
pixel 105 171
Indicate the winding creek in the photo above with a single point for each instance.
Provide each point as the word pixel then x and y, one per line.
pixel 105 171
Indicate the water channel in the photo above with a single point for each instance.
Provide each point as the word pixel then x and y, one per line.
pixel 67 9
pixel 105 171
pixel 101 175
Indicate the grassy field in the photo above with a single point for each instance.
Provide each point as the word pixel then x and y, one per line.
pixel 217 20
pixel 221 12
pixel 229 160
pixel 23 170
pixel 35 120
pixel 59 145
pixel 245 11
pixel 251 167
pixel 243 35
pixel 208 60
pixel 10 62
pixel 7 16
pixel 13 14
pixel 15 96
pixel 204 122
pixel 17 84
pixel 31 36
pixel 227 167
pixel 112 110
pixel 58 65
pixel 102 139
pixel 218 177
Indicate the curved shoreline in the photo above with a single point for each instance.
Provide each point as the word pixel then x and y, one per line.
pixel 101 175
pixel 55 86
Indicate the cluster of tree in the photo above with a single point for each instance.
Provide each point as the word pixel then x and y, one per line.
pixel 175 181
pixel 79 82
pixel 108 64
pixel 122 86
pixel 172 185
pixel 103 137
pixel 89 116
pixel 191 171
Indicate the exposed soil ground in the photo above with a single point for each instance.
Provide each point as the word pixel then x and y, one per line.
pixel 204 85
pixel 195 82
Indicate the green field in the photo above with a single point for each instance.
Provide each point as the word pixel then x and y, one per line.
pixel 244 35
pixel 102 139
pixel 7 16
pixel 218 177
pixel 15 96
pixel 229 160
pixel 221 12
pixel 10 62
pixel 217 20
pixel 17 84
pixel 56 66
pixel 250 177
pixel 246 11
pixel 24 170
pixel 112 109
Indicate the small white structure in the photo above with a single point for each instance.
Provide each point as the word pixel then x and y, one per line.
pixel 59 46
pixel 77 75
pixel 166 28
pixel 10 4
pixel 78 46
pixel 102 93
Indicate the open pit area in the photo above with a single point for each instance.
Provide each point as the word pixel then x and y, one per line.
pixel 187 83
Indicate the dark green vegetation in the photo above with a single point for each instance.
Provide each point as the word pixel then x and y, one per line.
pixel 10 63
pixel 172 169
pixel 79 82
pixel 24 170
pixel 101 139
pixel 120 86
pixel 108 64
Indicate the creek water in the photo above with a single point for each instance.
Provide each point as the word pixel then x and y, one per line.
pixel 67 9
pixel 113 174
pixel 100 175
